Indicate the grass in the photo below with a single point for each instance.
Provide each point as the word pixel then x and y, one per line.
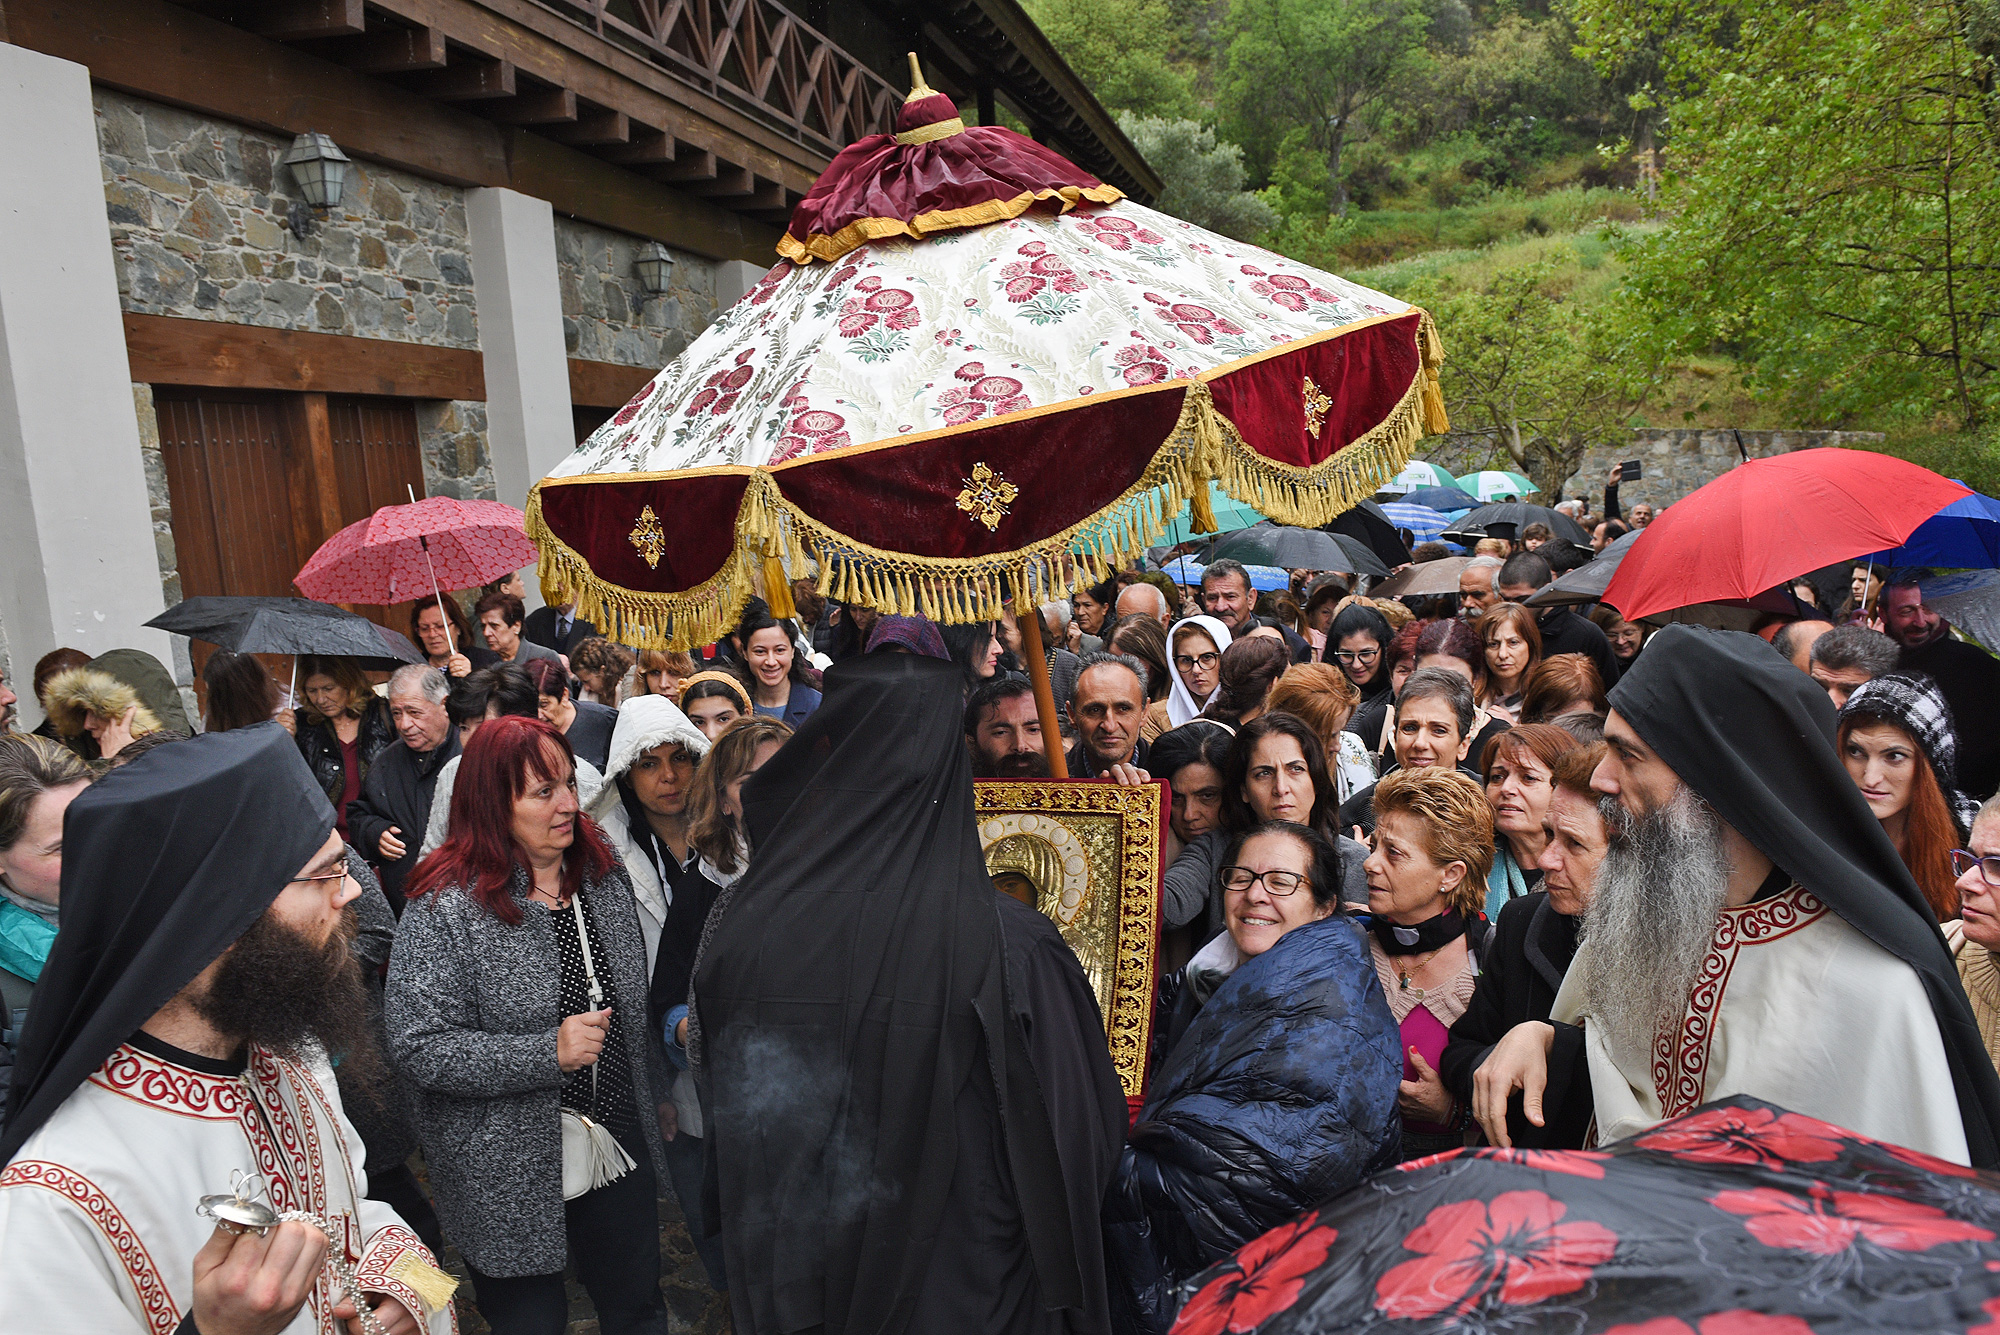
pixel 1382 236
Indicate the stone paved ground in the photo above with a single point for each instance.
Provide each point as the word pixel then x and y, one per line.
pixel 692 1307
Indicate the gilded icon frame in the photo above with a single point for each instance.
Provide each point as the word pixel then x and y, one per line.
pixel 1108 909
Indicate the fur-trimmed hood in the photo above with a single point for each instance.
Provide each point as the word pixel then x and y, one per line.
pixel 75 692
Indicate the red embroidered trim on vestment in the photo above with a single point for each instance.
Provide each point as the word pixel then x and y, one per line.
pixel 154 1300
pixel 1680 1059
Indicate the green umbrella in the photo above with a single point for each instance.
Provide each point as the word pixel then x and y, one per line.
pixel 1493 483
pixel 1230 515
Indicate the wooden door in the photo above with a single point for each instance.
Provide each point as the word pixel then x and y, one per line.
pixel 259 481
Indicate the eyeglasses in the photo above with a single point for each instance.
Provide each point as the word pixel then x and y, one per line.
pixel 1964 860
pixel 1202 661
pixel 1356 657
pixel 340 875
pixel 1278 883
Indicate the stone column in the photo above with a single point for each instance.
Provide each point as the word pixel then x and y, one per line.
pixel 514 277
pixel 77 561
pixel 732 279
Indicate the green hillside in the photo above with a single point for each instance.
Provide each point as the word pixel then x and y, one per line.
pixel 1623 212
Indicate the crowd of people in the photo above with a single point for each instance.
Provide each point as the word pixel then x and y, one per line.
pixel 582 925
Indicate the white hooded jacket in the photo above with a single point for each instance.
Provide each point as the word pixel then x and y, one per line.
pixel 644 722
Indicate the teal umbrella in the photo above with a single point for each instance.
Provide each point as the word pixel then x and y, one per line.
pixel 1493 483
pixel 1230 515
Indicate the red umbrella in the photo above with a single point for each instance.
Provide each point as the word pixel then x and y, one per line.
pixel 1769 521
pixel 403 552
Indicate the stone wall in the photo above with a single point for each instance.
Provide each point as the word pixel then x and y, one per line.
pixel 1676 461
pixel 452 436
pixel 608 316
pixel 199 212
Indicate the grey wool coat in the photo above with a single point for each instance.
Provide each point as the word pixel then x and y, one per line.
pixel 472 1008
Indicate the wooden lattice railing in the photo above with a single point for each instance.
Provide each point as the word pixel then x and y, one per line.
pixel 754 52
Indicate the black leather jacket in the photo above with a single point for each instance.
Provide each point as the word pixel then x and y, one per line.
pixel 321 748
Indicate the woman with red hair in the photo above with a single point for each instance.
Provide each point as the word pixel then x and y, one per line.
pixel 516 995
pixel 1899 745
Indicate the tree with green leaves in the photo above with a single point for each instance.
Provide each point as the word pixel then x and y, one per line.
pixel 1315 65
pixel 1204 177
pixel 1833 197
pixel 1532 379
pixel 1123 49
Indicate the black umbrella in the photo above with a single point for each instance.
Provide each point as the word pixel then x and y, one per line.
pixel 1737 1219
pixel 1285 547
pixel 1587 583
pixel 1443 499
pixel 287 626
pixel 1362 557
pixel 1372 526
pixel 1473 526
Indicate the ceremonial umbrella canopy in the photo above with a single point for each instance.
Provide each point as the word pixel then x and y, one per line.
pixel 1736 1219
pixel 979 372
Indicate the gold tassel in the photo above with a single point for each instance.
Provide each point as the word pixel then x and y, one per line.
pixel 1435 420
pixel 778 589
pixel 432 1286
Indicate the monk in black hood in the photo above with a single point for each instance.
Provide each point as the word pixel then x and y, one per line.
pixel 913 1106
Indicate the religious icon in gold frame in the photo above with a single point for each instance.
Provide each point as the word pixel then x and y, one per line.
pixel 1088 854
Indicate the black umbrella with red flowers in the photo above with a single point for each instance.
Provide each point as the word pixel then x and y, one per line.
pixel 1737 1219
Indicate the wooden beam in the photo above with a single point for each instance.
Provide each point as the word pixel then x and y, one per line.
pixel 648 146
pixel 164 350
pixel 687 167
pixel 467 81
pixel 606 384
pixel 767 196
pixel 599 128
pixel 730 182
pixel 550 106
pixel 313 478
pixel 165 53
pixel 299 20
pixel 394 51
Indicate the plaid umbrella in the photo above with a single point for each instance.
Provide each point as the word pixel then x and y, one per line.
pixel 1736 1219
pixel 411 551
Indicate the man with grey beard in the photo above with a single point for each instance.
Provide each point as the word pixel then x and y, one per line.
pixel 1753 931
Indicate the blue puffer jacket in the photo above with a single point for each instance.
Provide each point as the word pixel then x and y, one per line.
pixel 1280 1094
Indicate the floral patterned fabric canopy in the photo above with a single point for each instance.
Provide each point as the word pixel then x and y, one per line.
pixel 923 424
pixel 1736 1219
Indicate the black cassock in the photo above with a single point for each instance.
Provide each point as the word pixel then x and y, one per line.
pixel 911 1106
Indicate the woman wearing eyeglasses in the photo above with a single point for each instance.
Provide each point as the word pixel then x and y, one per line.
pixel 1358 644
pixel 1279 1088
pixel 1975 937
pixel 1426 882
pixel 1194 652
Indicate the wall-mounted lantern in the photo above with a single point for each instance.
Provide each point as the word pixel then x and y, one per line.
pixel 320 168
pixel 655 267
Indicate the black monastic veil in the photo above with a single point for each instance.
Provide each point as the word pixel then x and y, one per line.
pixel 166 861
pixel 913 1110
pixel 1754 738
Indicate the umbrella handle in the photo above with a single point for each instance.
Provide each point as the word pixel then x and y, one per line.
pixel 425 543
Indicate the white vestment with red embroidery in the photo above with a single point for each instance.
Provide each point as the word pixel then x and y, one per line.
pixel 1795 1007
pixel 97 1212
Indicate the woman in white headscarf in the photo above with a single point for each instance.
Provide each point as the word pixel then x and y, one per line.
pixel 1194 652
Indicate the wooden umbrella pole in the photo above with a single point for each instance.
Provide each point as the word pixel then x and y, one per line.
pixel 1030 621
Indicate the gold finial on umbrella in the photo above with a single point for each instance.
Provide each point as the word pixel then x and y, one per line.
pixel 918 88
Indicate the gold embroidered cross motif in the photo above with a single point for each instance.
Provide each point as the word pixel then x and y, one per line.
pixel 649 537
pixel 1316 403
pixel 987 496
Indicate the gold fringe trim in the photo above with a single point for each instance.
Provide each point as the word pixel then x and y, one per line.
pixel 861 231
pixel 930 134
pixel 774 535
